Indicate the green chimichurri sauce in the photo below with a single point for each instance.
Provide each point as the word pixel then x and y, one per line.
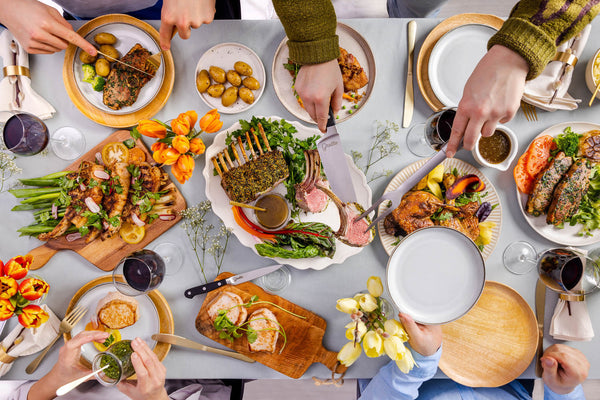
pixel 122 351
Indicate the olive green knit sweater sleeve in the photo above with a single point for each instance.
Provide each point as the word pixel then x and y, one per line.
pixel 536 27
pixel 310 27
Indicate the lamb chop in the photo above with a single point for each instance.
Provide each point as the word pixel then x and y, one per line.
pixel 309 198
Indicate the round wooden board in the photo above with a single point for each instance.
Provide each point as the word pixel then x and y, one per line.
pixel 493 343
pixel 117 120
pixel 440 30
pixel 165 317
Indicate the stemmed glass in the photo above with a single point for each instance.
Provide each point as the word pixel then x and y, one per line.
pixel 139 273
pixel 23 133
pixel 68 143
pixel 171 255
pixel 519 258
pixel 424 139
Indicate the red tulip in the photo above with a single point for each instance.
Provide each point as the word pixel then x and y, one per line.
pixel 33 288
pixel 33 316
pixel 8 287
pixel 17 267
pixel 6 309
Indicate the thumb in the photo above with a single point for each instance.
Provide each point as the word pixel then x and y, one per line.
pixel 409 324
pixel 550 367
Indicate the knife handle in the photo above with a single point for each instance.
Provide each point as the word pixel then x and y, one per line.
pixel 202 289
pixel 331 118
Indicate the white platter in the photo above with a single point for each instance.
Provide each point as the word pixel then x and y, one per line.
pixel 453 59
pixel 568 235
pixel 221 207
pixel 435 275
pixel 224 55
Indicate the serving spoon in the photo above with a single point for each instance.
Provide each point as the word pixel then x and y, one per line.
pixel 64 389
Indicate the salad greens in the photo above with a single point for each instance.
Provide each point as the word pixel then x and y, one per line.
pixel 588 214
pixel 567 142
pixel 310 239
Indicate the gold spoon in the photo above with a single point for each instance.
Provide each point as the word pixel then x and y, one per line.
pixel 594 95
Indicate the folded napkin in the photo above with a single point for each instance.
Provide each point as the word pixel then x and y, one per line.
pixel 16 93
pixel 539 91
pixel 25 341
pixel 574 325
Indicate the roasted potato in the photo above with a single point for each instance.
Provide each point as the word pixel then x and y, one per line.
pixel 234 78
pixel 202 81
pixel 216 90
pixel 105 38
pixel 86 58
pixel 102 67
pixel 229 96
pixel 242 68
pixel 246 95
pixel 251 83
pixel 217 74
pixel 110 52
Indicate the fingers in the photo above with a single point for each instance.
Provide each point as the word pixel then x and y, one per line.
pixel 84 337
pixel 409 324
pixel 166 31
pixel 336 98
pixel 68 35
pixel 458 128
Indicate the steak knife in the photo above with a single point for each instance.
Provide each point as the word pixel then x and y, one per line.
pixel 233 280
pixel 124 63
pixel 540 308
pixel 181 341
pixel 409 94
pixel 334 162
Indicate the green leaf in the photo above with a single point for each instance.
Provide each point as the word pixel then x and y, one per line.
pixel 135 134
pixel 252 335
pixel 129 143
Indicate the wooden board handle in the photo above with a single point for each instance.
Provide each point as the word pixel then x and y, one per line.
pixel 41 255
pixel 329 359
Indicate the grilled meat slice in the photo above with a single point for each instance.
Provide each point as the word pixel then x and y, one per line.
pixel 545 182
pixel 414 212
pixel 115 200
pixel 569 192
pixel 353 74
pixel 148 179
pixel 123 84
pixel 464 220
pixel 310 198
pixel 264 322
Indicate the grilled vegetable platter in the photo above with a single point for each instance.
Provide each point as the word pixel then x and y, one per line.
pixel 264 156
pixel 558 183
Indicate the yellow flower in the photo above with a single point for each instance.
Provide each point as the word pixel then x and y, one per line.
pixel 355 330
pixel 374 286
pixel 373 344
pixel 197 146
pixel 407 362
pixel 346 305
pixel 395 328
pixel 394 347
pixel 349 353
pixel 181 144
pixel 151 129
pixel 367 303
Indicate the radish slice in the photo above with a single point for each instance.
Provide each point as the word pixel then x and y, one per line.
pixel 166 217
pixel 54 211
pixel 99 158
pixel 91 204
pixel 81 186
pixel 73 236
pixel 101 175
pixel 136 220
pixel 105 225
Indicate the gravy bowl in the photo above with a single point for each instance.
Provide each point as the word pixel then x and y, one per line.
pixel 503 165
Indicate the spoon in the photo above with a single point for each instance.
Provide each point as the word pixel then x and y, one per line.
pixel 64 389
pixel 594 95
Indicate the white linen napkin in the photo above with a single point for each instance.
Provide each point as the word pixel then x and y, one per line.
pixel 23 341
pixel 16 93
pixel 539 91
pixel 573 326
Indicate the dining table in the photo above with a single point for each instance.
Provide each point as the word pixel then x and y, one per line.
pixel 315 290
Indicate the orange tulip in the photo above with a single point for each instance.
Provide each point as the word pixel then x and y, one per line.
pixel 156 146
pixel 191 115
pixel 33 288
pixel 211 123
pixel 181 144
pixel 151 129
pixel 18 266
pixel 183 169
pixel 197 146
pixel 8 287
pixel 33 316
pixel 181 125
pixel 7 309
pixel 170 156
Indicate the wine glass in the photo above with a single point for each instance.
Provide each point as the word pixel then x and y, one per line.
pixel 171 255
pixel 568 271
pixel 424 139
pixel 519 257
pixel 68 143
pixel 139 273
pixel 23 133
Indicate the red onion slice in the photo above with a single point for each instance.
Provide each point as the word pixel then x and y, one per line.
pixel 73 236
pixel 99 158
pixel 166 217
pixel 101 175
pixel 105 225
pixel 91 204
pixel 82 186
pixel 136 220
pixel 54 211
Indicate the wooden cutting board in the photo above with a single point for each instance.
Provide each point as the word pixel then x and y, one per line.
pixel 304 336
pixel 106 254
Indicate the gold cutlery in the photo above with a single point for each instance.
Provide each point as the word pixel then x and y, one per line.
pixel 155 59
pixel 409 92
pixel 594 95
pixel 181 341
pixel 540 303
pixel 70 320
pixel 529 111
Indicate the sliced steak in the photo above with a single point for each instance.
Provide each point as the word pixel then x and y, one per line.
pixel 569 192
pixel 545 182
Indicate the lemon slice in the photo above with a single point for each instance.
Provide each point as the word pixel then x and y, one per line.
pixel 114 152
pixel 131 233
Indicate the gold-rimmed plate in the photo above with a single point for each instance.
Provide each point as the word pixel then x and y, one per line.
pixel 155 316
pixel 152 96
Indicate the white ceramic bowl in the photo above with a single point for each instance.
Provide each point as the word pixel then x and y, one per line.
pixel 589 76
pixel 504 165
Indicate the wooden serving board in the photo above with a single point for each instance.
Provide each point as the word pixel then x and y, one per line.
pixel 304 336
pixel 106 254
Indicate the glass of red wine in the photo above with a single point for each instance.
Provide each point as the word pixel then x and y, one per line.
pixel 139 273
pixel 568 271
pixel 425 139
pixel 23 133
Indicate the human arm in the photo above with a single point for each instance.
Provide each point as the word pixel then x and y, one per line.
pixel 182 15
pixel 565 368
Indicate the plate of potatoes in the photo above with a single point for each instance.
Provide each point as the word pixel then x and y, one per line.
pixel 230 77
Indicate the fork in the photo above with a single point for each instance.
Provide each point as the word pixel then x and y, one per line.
pixel 70 320
pixel 529 111
pixel 154 60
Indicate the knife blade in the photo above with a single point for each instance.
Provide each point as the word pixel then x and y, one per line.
pixel 540 305
pixel 2 323
pixel 109 58
pixel 233 280
pixel 409 93
pixel 183 342
pixel 334 162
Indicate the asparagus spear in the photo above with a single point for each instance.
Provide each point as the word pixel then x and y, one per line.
pixel 20 193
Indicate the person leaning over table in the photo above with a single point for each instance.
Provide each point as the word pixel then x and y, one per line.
pixel 150 375
pixel 565 369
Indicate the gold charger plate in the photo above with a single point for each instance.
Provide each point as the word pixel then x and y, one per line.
pixel 493 343
pixel 154 300
pixel 152 96
pixel 436 33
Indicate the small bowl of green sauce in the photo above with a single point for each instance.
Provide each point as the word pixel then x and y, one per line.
pixel 118 359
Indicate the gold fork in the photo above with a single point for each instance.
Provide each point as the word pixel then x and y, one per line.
pixel 529 111
pixel 154 60
pixel 70 320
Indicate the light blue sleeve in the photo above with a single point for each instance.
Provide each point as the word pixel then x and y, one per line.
pixel 391 383
pixel 576 394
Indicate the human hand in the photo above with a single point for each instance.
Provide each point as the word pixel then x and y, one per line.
pixel 39 28
pixel 424 339
pixel 150 374
pixel 320 85
pixel 491 95
pixel 564 368
pixel 181 16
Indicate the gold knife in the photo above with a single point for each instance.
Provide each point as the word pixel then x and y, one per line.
pixel 540 303
pixel 181 341
pixel 409 94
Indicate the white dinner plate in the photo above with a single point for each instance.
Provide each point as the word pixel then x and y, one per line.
pixel 221 206
pixel 224 55
pixel 127 36
pixel 453 59
pixel 435 275
pixel 568 235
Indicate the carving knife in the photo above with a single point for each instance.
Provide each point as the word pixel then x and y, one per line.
pixel 233 280
pixel 540 303
pixel 183 342
pixel 409 94
pixel 334 162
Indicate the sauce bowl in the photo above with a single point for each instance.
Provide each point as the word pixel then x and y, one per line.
pixel 512 153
